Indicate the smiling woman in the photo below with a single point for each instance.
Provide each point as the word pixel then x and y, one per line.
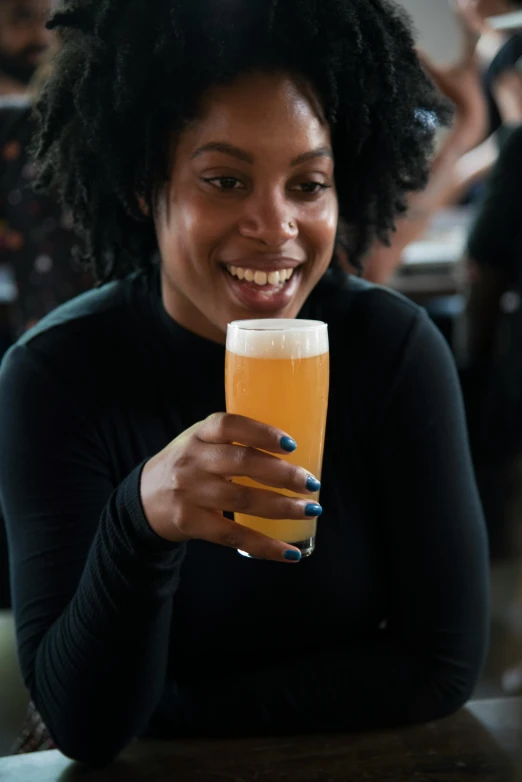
pixel 217 156
pixel 240 208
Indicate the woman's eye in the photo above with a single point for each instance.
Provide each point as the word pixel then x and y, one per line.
pixel 312 188
pixel 224 182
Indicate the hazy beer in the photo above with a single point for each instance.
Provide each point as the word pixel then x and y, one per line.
pixel 277 372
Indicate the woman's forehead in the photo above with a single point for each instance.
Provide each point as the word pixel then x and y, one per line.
pixel 261 108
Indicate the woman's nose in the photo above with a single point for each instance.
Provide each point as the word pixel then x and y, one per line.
pixel 270 221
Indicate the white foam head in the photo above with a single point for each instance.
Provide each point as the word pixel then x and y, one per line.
pixel 277 338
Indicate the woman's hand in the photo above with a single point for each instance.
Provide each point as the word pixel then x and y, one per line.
pixel 186 487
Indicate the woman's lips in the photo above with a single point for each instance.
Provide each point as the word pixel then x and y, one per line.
pixel 261 277
pixel 264 262
pixel 250 290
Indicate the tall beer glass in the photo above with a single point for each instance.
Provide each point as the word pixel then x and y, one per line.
pixel 277 372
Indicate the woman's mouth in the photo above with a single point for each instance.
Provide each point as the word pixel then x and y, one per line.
pixel 262 290
pixel 262 279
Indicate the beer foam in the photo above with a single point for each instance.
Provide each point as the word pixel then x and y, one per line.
pixel 277 338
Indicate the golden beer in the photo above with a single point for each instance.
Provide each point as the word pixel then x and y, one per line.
pixel 277 372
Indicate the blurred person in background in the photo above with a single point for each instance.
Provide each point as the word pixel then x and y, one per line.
pixel 483 117
pixel 491 367
pixel 37 240
pixel 491 363
pixel 462 87
pixel 36 237
pixel 23 42
pixel 492 375
pixel 498 53
pixel 494 249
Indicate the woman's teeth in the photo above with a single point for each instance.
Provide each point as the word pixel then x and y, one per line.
pixel 259 277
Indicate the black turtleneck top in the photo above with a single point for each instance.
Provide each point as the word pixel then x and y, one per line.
pixel 122 634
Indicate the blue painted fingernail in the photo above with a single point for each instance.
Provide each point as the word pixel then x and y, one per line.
pixel 313 509
pixel 287 444
pixel 312 484
pixel 293 556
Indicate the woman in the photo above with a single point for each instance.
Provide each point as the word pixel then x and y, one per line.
pixel 186 139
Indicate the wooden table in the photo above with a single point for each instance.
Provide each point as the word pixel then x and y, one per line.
pixel 481 743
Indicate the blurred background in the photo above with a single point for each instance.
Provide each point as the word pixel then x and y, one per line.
pixel 457 252
pixel 438 33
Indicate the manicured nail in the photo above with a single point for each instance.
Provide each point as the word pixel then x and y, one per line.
pixel 312 484
pixel 287 444
pixel 313 509
pixel 293 556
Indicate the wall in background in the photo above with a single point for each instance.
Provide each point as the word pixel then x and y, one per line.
pixel 438 31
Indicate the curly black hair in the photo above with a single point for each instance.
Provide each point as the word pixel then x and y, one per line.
pixel 132 72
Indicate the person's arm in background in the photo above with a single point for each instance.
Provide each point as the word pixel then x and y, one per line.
pixel 461 84
pixel 470 152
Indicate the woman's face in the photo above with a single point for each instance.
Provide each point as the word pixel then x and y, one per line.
pixel 247 223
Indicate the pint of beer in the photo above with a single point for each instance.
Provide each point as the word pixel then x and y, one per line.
pixel 277 372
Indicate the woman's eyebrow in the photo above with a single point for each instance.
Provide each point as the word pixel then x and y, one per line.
pixel 246 157
pixel 226 149
pixel 314 153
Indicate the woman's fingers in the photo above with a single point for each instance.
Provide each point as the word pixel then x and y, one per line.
pixel 237 498
pixel 238 461
pixel 186 487
pixel 214 528
pixel 223 428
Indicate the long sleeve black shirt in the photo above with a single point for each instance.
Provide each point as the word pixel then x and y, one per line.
pixel 122 634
